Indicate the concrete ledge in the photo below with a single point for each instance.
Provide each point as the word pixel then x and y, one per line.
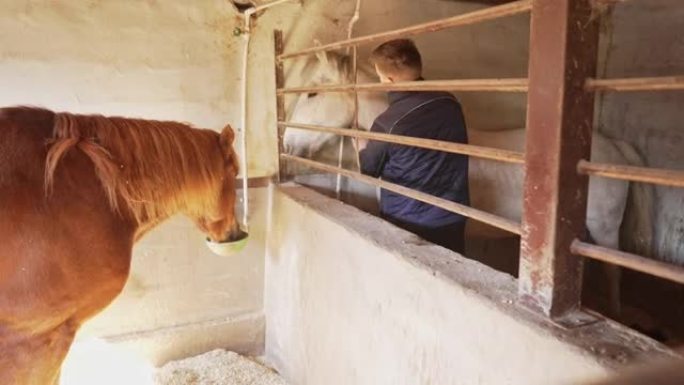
pixel 392 294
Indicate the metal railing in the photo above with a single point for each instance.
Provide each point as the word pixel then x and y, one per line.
pixel 584 167
pixel 430 144
pixel 474 85
pixel 475 17
pixel 490 219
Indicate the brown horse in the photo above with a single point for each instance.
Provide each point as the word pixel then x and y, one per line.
pixel 76 192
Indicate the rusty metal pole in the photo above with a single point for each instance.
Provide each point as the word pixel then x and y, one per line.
pixel 280 99
pixel 355 122
pixel 563 55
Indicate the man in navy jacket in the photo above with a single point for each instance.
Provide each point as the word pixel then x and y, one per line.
pixel 421 114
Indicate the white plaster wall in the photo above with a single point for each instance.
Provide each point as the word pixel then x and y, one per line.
pixel 350 300
pixel 171 60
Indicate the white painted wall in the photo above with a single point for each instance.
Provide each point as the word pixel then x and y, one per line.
pixel 350 300
pixel 170 60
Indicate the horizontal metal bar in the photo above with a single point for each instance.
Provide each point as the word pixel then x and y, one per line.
pixel 262 7
pixel 430 144
pixel 631 261
pixel 608 2
pixel 478 16
pixel 658 176
pixel 489 85
pixel 664 83
pixel 255 182
pixel 479 215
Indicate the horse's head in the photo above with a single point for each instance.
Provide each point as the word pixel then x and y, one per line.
pixel 330 68
pixel 219 221
pixel 331 109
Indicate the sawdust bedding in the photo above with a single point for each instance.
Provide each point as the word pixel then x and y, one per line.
pixel 218 367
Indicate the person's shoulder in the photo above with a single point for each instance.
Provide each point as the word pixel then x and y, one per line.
pixel 446 96
pixel 441 101
pixel 423 97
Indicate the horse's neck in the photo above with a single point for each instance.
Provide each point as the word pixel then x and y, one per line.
pixel 364 75
pixel 177 182
pixel 371 104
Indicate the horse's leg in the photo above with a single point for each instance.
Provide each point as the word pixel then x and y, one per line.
pixel 606 204
pixel 60 341
pixel 35 359
pixel 610 239
pixel 613 278
pixel 606 207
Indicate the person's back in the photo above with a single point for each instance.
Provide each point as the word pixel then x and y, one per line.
pixel 432 115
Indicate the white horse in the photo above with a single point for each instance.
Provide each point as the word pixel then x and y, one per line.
pixel 495 187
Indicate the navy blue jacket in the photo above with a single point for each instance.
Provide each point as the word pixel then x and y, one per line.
pixel 431 115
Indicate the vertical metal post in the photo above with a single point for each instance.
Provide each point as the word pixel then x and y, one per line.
pixel 280 99
pixel 355 78
pixel 355 122
pixel 563 54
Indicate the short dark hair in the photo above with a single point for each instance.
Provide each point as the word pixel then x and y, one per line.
pixel 398 57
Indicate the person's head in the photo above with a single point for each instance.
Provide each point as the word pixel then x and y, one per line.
pixel 397 60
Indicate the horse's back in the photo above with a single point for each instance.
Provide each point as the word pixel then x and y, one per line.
pixel 512 140
pixel 497 187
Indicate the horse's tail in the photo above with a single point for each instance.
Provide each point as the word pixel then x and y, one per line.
pixel 637 224
pixel 66 136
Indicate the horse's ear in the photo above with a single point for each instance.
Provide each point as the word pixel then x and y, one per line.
pixel 346 63
pixel 227 137
pixel 322 57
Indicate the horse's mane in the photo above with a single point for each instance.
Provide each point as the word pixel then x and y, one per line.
pixel 344 65
pixel 152 168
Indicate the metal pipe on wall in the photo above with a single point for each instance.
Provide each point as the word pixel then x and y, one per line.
pixel 246 34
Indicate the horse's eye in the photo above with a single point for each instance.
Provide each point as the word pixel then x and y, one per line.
pixel 312 95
